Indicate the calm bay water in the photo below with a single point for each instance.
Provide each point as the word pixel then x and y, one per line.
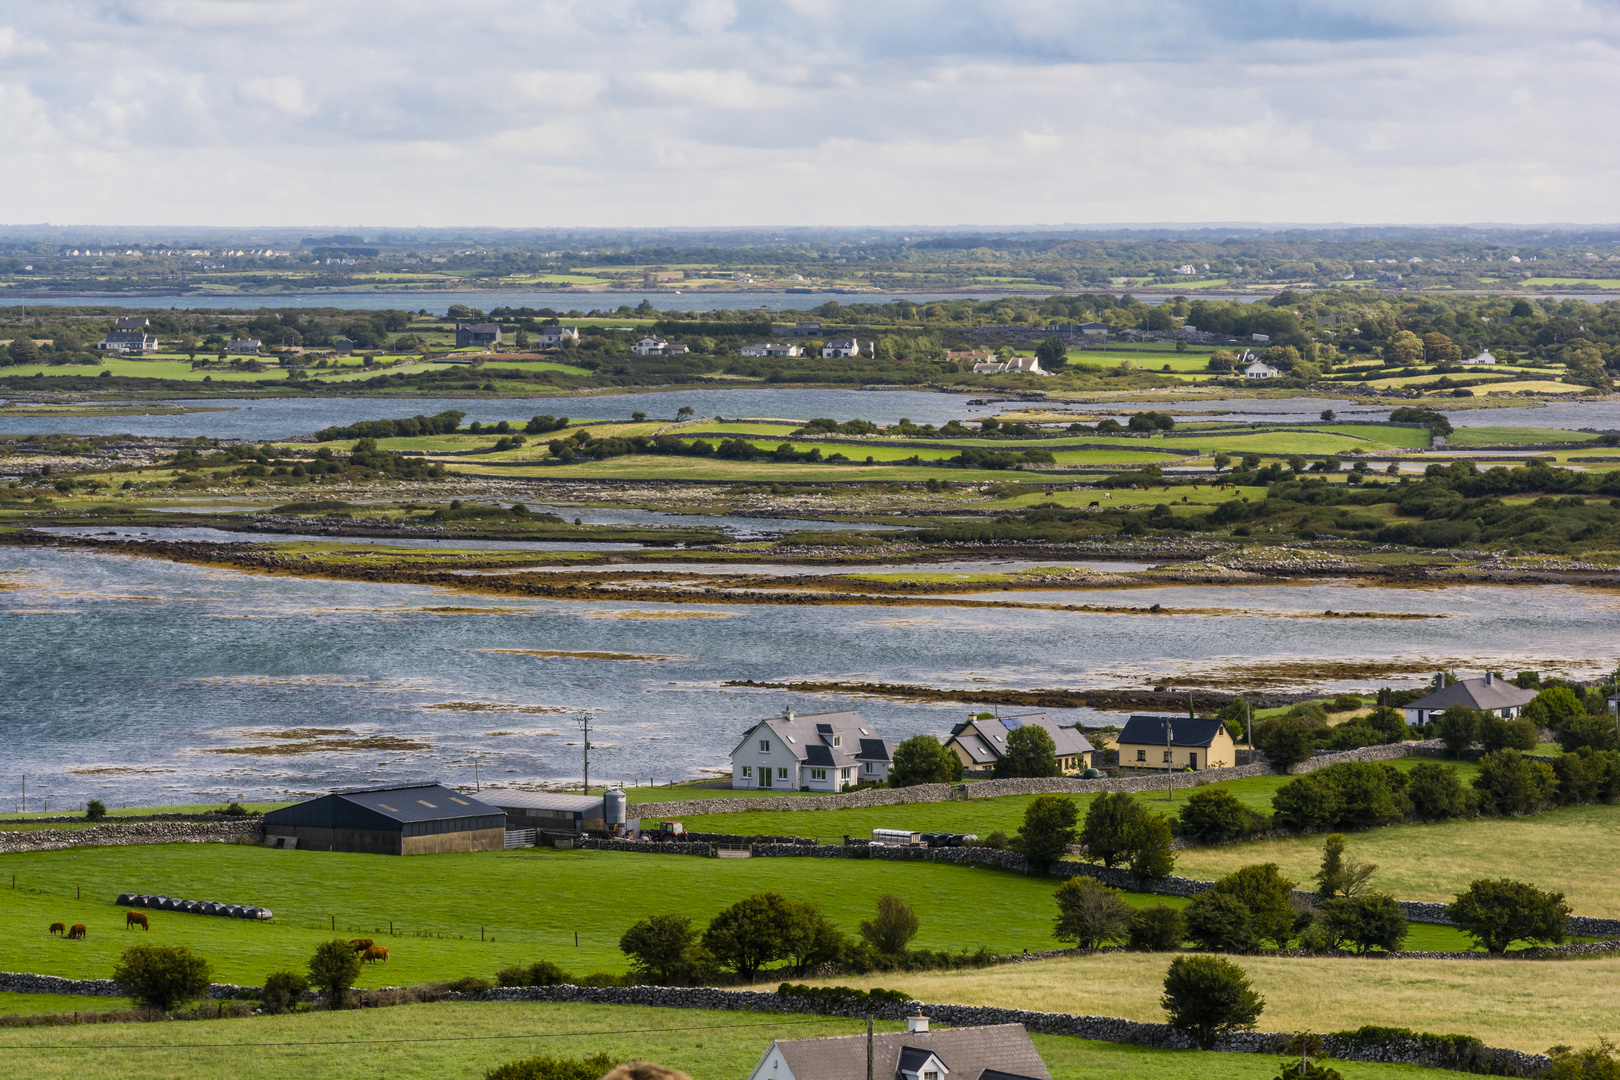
pixel 125 677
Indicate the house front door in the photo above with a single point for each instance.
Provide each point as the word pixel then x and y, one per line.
pixel 765 776
pixel 1192 759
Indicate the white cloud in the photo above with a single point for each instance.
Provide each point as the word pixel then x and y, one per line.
pixel 608 112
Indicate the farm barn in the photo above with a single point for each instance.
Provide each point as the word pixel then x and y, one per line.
pixel 389 821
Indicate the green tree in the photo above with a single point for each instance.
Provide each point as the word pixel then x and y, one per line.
pixel 1403 347
pixel 1048 830
pixel 1341 875
pixel 282 991
pixel 893 928
pixel 1090 914
pixel 22 350
pixel 1286 740
pixel 1296 463
pixel 1151 854
pixel 546 1067
pixel 95 810
pixel 1435 791
pixel 1207 996
pixel 1554 706
pixel 1220 922
pixel 1498 913
pixel 1370 921
pixel 1215 816
pixel 923 759
pixel 661 948
pixel 1251 461
pixel 161 976
pixel 1106 834
pixel 1030 752
pixel 809 938
pixel 1052 353
pixel 1576 732
pixel 748 934
pixel 333 969
pixel 1498 733
pixel 1267 896
pixel 1160 928
pixel 1510 783
pixel 1458 728
pixel 1223 460
pixel 1593 1063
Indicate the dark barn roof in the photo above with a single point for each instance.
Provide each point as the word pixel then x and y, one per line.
pixel 415 810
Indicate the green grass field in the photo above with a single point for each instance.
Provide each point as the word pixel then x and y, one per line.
pixel 463 1041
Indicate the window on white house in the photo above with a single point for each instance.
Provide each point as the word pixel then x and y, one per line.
pixel 764 746
pixel 843 774
pixel 838 740
pixel 781 774
pixel 818 774
pixel 748 770
pixel 931 1074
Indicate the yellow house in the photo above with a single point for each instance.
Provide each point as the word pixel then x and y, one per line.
pixel 1192 743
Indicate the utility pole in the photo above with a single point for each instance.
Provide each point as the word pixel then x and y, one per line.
pixel 1248 725
pixel 1169 764
pixel 584 722
pixel 868 1048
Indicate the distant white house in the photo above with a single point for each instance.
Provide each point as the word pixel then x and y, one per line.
pixel 1026 365
pixel 1489 694
pixel 1484 357
pixel 1263 339
pixel 652 345
pixel 1185 270
pixel 772 348
pixel 841 347
pixel 996 1052
pixel 243 345
pixel 128 341
pixel 1261 370
pixel 554 337
pixel 815 752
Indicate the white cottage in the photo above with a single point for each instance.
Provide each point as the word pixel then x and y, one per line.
pixel 1489 694
pixel 814 752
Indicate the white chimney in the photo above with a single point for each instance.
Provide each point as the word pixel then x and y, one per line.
pixel 788 713
pixel 917 1025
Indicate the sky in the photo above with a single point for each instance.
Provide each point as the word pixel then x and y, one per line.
pixel 554 113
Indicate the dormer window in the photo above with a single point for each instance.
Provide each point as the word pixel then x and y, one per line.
pixel 838 740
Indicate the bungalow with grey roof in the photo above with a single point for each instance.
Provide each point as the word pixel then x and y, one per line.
pixel 815 752
pixel 248 346
pixel 980 742
pixel 470 334
pixel 991 1052
pixel 1175 743
pixel 1489 694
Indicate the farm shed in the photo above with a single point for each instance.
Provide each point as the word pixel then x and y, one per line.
pixel 415 820
pixel 549 811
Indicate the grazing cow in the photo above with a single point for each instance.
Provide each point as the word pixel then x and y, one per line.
pixel 1094 502
pixel 360 944
pixel 58 928
pixel 135 918
pixel 375 952
pixel 77 931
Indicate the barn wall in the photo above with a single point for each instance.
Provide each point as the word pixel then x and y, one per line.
pixel 470 840
pixel 365 841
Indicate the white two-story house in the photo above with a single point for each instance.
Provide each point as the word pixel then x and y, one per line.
pixel 815 752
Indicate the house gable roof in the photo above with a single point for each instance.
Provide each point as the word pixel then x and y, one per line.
pixel 809 737
pixel 981 737
pixel 966 1052
pixel 1184 730
pixel 1476 694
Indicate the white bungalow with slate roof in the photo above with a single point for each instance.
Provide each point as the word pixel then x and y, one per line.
pixel 992 1052
pixel 1490 694
pixel 814 752
pixel 980 743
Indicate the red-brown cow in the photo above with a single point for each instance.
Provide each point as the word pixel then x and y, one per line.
pixel 135 918
pixel 58 928
pixel 374 953
pixel 77 931
pixel 360 944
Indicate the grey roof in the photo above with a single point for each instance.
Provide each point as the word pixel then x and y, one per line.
pixel 1067 741
pixel 137 336
pixel 430 803
pixel 1184 730
pixel 913 1058
pixel 966 1052
pixel 480 328
pixel 410 808
pixel 541 800
pixel 1493 693
pixel 873 750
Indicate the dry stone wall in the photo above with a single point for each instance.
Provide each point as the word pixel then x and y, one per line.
pixel 149 832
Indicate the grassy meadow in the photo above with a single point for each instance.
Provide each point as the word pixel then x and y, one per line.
pixel 464 1040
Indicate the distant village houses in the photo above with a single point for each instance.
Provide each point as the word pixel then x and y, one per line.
pixel 244 346
pixel 1025 365
pixel 555 337
pixel 653 345
pixel 836 347
pixel 128 341
pixel 1261 370
pixel 772 348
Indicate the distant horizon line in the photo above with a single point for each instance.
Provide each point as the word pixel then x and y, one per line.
pixel 1267 226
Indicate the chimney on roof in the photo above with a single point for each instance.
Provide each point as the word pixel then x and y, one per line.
pixel 787 713
pixel 917 1025
pixel 1440 680
pixel 1490 678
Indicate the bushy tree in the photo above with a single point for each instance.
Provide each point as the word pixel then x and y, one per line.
pixel 1207 996
pixel 1587 775
pixel 749 934
pixel 809 938
pixel 1048 829
pixel 1369 921
pixel 1106 834
pixel 1497 733
pixel 1306 803
pixel 893 928
pixel 161 976
pixel 282 991
pixel 1458 728
pixel 1389 723
pixel 1496 913
pixel 1030 752
pixel 1553 706
pixel 1341 875
pixel 1052 353
pixel 1214 816
pixel 1579 732
pixel 546 1067
pixel 1151 854
pixel 1593 1063
pixel 1090 914
pixel 1160 928
pixel 1435 791
pixel 333 969
pixel 1286 740
pixel 1220 922
pixel 923 759
pixel 1266 894
pixel 537 973
pixel 1510 783
pixel 95 810
pixel 663 948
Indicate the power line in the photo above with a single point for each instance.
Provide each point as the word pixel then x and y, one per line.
pixel 442 1039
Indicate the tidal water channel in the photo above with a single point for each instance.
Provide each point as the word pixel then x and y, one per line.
pixel 141 681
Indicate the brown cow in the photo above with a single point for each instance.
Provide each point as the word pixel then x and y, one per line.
pixel 375 952
pixel 360 944
pixel 58 928
pixel 77 931
pixel 135 918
